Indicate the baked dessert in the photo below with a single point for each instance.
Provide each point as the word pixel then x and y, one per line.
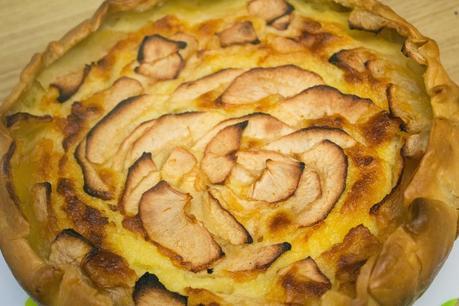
pixel 263 152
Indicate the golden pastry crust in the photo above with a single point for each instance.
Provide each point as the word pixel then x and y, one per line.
pixel 410 256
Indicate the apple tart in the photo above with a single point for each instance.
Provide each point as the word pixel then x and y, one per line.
pixel 247 152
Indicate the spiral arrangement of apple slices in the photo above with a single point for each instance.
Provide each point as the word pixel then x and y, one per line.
pixel 181 167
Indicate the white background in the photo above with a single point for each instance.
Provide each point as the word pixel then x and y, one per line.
pixel 444 288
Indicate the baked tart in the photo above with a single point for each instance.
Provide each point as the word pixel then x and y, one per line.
pixel 263 152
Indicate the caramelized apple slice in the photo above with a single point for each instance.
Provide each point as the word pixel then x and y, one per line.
pixel 179 163
pixel 172 130
pixel 252 257
pixel 303 281
pixel 143 169
pixel 322 101
pixel 191 90
pixel 303 140
pixel 278 182
pixel 219 156
pixel 330 163
pixel 93 183
pixel 269 10
pixel 69 84
pixel 105 135
pixel 263 127
pixel 259 83
pixel 222 223
pixel 162 211
pixel 238 34
pixel 156 47
pixel 167 68
pixel 69 248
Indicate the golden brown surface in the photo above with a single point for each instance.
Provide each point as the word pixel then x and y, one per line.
pixel 359 167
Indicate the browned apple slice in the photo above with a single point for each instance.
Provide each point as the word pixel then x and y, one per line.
pixel 330 163
pixel 108 133
pixel 220 153
pixel 194 89
pixel 179 163
pixel 255 161
pixel 149 291
pixel 107 270
pixel 322 101
pixel 93 183
pixel 259 83
pixel 69 84
pixel 361 19
pixel 122 89
pixel 263 127
pixel 360 64
pixel 238 34
pixel 308 190
pixel 222 223
pixel 303 140
pixel 167 68
pixel 173 129
pixel 119 160
pixel 155 47
pixel 282 23
pixel 278 182
pixel 269 10
pixel 162 211
pixel 303 281
pixel 143 168
pixel 252 257
pixel 69 248
pixel 41 200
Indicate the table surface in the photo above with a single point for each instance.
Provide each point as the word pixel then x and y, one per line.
pixel 26 26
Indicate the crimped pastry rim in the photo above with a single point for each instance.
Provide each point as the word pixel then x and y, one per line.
pixel 432 190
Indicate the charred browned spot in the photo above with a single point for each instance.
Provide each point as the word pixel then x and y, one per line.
pixel 360 158
pixel 303 281
pixel 350 255
pixel 148 289
pixel 76 121
pixel 279 222
pixel 134 224
pixel 359 190
pixel 209 28
pixel 45 158
pixel 21 116
pixel 87 220
pixel 308 288
pixel 108 270
pixel 380 128
pixel 310 25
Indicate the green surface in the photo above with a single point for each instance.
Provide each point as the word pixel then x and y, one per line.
pixel 30 302
pixel 453 302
